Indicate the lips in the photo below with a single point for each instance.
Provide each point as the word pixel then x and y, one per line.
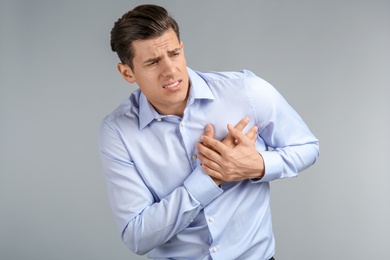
pixel 172 85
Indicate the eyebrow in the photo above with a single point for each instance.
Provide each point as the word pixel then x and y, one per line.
pixel 174 51
pixel 156 59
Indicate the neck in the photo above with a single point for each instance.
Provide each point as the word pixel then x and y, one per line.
pixel 177 110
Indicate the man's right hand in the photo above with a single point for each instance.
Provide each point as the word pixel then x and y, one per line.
pixel 230 141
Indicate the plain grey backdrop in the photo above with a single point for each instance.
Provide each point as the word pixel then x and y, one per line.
pixel 58 79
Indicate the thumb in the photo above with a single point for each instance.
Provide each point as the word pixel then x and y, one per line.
pixel 209 131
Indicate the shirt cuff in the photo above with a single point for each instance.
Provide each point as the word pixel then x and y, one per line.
pixel 273 163
pixel 202 187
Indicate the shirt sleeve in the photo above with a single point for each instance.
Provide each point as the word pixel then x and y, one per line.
pixel 144 222
pixel 291 146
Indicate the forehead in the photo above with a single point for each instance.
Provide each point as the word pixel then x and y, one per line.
pixel 166 42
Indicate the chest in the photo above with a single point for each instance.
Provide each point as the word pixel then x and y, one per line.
pixel 164 153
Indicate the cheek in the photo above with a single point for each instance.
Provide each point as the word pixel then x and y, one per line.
pixel 148 83
pixel 146 78
pixel 183 62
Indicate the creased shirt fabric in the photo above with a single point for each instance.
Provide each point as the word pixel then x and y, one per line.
pixel 164 204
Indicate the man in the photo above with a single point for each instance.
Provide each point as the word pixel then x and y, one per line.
pixel 184 183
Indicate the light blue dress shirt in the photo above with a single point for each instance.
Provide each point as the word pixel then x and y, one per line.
pixel 165 205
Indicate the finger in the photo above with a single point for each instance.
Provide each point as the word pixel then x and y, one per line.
pixel 252 133
pixel 209 130
pixel 229 140
pixel 213 144
pixel 210 164
pixel 239 136
pixel 212 173
pixel 242 123
pixel 207 149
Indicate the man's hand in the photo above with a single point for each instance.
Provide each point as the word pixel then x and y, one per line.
pixel 233 159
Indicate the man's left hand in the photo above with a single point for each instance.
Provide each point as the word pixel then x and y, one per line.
pixel 231 162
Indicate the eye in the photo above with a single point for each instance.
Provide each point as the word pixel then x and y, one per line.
pixel 174 55
pixel 152 63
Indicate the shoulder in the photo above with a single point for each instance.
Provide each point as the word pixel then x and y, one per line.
pixel 235 80
pixel 215 76
pixel 129 108
pixel 243 78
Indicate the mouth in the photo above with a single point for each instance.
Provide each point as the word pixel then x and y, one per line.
pixel 172 85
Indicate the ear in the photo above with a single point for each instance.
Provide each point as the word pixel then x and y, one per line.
pixel 126 72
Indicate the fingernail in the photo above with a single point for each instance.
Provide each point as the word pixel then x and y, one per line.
pixel 207 127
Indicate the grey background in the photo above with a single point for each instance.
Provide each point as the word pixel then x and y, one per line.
pixel 58 79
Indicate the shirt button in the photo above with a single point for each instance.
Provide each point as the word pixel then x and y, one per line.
pixel 182 123
pixel 159 119
pixel 214 249
pixel 211 219
pixel 194 157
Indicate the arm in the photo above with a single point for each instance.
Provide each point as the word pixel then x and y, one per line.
pixel 292 147
pixel 145 222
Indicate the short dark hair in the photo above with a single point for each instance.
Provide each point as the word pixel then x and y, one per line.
pixel 142 23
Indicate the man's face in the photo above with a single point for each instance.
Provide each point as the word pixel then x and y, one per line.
pixel 160 72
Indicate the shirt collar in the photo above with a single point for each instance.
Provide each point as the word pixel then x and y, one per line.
pixel 198 90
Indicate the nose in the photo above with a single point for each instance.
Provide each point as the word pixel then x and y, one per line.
pixel 168 67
